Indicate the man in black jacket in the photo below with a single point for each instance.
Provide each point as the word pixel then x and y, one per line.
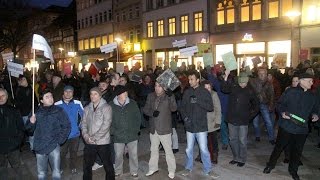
pixel 196 102
pixel 296 106
pixel 11 135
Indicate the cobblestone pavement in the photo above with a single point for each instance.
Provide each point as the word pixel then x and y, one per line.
pixel 258 154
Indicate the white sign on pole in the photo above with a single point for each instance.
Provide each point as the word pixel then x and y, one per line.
pixel 108 47
pixel 15 69
pixel 189 51
pixel 180 43
pixel 7 56
pixel 40 43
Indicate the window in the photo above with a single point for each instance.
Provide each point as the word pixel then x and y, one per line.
pixel 149 4
pixel 230 13
pixel 273 9
pixel 184 24
pixel 138 36
pixel 117 17
pixel 124 16
pixel 105 16
pixel 137 11
pixel 78 24
pixel 286 6
pixel 245 11
pixel 92 43
pixel 80 45
pixel 220 14
pixel 170 2
pixel 160 3
pixel 96 19
pixel 104 40
pixel 160 28
pixel 172 26
pixel 101 17
pixel 130 14
pixel 256 10
pixel 86 44
pixel 150 29
pixel 86 22
pixel 109 15
pixel 98 42
pixel 110 38
pixel 90 21
pixel 198 22
pixel 131 37
pixel 82 23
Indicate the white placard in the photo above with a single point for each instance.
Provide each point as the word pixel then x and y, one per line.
pixel 7 56
pixel 180 43
pixel 189 51
pixel 108 47
pixel 15 68
pixel 40 43
pixel 120 67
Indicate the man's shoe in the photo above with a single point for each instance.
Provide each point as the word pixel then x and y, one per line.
pixel 171 175
pixel 150 173
pixel 286 161
pixel 240 164
pixel 257 139
pixel 74 171
pixel 134 175
pixel 96 166
pixel 295 176
pixel 213 175
pixel 233 162
pixel 272 142
pixel 224 146
pixel 267 170
pixel 185 172
pixel 175 151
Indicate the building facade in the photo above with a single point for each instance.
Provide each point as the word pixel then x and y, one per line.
pixel 165 21
pixel 256 28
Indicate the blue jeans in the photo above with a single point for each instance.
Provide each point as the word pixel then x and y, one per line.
pixel 31 138
pixel 224 130
pixel 203 145
pixel 54 160
pixel 264 111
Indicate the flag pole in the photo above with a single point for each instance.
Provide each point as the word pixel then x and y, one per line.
pixel 33 79
pixel 12 94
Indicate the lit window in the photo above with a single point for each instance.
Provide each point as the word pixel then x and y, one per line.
pixel 92 43
pixel 86 44
pixel 286 6
pixel 274 9
pixel 160 28
pixel 256 10
pixel 80 45
pixel 150 29
pixel 230 13
pixel 220 14
pixel 98 42
pixel 172 26
pixel 198 22
pixel 245 13
pixel 110 38
pixel 184 24
pixel 104 39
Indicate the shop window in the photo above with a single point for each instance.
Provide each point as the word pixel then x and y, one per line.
pixel 222 49
pixel 220 14
pixel 279 52
pixel 273 9
pixel 256 10
pixel 110 38
pixel 92 43
pixel 150 29
pixel 286 6
pixel 198 20
pixel 104 39
pixel 98 42
pixel 80 44
pixel 245 11
pixel 86 44
pixel 172 26
pixel 184 24
pixel 160 28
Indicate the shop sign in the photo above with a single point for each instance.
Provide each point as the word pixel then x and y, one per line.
pixel 189 51
pixel 108 48
pixel 247 37
pixel 180 43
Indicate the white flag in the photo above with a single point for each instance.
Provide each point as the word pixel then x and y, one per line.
pixel 40 43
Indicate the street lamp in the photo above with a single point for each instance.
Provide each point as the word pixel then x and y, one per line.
pixel 292 15
pixel 118 40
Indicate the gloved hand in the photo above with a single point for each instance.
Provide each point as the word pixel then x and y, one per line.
pixel 155 113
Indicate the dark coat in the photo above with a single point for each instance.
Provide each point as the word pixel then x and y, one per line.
pixel 58 92
pixel 243 104
pixel 196 113
pixel 52 128
pixel 163 123
pixel 23 100
pixel 11 129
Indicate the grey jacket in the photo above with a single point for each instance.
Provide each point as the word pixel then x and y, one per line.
pixel 165 105
pixel 96 124
pixel 214 117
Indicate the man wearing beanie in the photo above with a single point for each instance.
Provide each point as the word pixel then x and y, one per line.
pixel 296 107
pixel 95 127
pixel 125 127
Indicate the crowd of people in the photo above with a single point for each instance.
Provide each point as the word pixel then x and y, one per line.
pixel 107 111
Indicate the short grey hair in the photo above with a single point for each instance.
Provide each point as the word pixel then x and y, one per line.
pixel 5 91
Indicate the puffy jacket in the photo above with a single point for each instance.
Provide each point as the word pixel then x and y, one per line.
pixel 96 124
pixel 196 113
pixel 163 123
pixel 52 127
pixel 11 129
pixel 126 121
pixel 74 111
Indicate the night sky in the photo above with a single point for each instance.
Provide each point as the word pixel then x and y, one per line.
pixel 46 3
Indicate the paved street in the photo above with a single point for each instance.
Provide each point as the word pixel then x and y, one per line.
pixel 258 154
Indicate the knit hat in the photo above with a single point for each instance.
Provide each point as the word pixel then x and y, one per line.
pixel 68 87
pixel 243 78
pixel 119 89
pixel 96 89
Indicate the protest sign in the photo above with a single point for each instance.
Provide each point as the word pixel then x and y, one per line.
pixel 229 61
